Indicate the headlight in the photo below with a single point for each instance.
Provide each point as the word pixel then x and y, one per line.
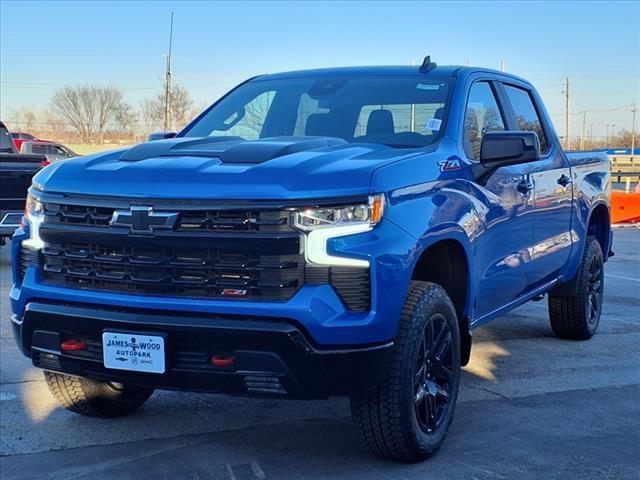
pixel 33 207
pixel 35 215
pixel 320 225
pixel 365 213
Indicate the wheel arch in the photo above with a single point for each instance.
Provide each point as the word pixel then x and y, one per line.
pixel 599 226
pixel 446 263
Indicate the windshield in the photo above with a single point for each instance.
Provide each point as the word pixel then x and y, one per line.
pixel 397 111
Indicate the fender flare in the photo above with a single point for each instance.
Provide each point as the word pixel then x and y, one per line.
pixel 454 232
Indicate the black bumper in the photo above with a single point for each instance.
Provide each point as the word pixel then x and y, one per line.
pixel 274 357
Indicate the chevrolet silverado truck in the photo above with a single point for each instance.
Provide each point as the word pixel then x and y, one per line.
pixel 334 232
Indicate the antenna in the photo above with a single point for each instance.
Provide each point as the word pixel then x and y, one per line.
pixel 427 65
pixel 167 84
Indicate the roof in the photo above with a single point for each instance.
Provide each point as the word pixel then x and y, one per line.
pixel 405 70
pixel 359 71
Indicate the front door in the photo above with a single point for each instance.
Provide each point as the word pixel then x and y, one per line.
pixel 502 250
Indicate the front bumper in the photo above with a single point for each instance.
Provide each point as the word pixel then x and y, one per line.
pixel 315 308
pixel 273 356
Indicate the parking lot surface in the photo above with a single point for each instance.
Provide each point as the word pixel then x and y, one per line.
pixel 530 406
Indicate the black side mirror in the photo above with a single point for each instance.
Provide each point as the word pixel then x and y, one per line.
pixel 161 136
pixel 500 149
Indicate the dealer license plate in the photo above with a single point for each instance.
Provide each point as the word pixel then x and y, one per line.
pixel 133 351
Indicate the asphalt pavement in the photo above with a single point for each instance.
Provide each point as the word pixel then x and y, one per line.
pixel 530 406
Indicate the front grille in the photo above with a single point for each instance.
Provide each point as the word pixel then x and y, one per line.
pixel 225 252
pixel 173 271
pixel 189 220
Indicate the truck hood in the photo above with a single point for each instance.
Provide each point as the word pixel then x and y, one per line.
pixel 218 168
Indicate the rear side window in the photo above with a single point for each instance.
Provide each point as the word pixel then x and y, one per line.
pixel 482 115
pixel 39 149
pixel 526 115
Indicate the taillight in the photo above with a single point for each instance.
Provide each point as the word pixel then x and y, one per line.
pixel 46 162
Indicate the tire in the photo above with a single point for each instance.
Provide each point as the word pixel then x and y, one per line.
pixel 577 317
pixel 423 377
pixel 92 398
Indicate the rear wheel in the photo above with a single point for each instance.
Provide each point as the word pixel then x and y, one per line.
pixel 93 398
pixel 407 416
pixel 577 317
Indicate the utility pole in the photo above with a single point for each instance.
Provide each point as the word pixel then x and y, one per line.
pixel 584 119
pixel 613 134
pixel 606 142
pixel 633 131
pixel 503 66
pixel 167 84
pixel 590 136
pixel 567 114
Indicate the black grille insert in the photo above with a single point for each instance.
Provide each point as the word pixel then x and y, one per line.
pixel 189 220
pixel 353 286
pixel 28 258
pixel 172 271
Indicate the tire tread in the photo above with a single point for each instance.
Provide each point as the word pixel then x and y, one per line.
pixel 376 413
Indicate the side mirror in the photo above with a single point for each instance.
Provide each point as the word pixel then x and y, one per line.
pixel 161 136
pixel 500 149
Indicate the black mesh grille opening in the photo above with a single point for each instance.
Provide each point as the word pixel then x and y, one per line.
pixel 174 272
pixel 188 220
pixel 353 285
pixel 28 258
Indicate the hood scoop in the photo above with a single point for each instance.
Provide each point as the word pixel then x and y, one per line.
pixel 229 149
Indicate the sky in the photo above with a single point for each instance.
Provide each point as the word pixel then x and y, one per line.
pixel 45 45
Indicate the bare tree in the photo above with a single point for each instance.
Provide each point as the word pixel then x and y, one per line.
pixel 126 119
pixel 623 139
pixel 88 108
pixel 181 109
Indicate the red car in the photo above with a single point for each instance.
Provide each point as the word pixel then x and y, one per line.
pixel 20 137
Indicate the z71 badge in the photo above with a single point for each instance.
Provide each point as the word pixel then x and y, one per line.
pixel 449 165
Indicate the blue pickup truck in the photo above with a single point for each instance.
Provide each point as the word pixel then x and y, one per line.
pixel 335 232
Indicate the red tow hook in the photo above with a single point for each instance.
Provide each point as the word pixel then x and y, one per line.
pixel 222 361
pixel 72 345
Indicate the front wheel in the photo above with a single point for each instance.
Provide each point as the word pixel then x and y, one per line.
pixel 92 398
pixel 407 416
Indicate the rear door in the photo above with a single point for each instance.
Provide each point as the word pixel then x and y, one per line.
pixel 502 250
pixel 551 177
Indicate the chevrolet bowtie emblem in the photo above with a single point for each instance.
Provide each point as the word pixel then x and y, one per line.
pixel 143 220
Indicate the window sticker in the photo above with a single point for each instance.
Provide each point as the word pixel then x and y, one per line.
pixel 427 86
pixel 434 124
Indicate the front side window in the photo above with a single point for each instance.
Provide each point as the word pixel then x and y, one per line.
pixel 400 111
pixel 526 115
pixel 482 115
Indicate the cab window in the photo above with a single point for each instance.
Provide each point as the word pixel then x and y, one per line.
pixel 527 117
pixel 482 115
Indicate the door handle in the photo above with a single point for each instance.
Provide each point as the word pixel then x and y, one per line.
pixel 524 186
pixel 564 180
